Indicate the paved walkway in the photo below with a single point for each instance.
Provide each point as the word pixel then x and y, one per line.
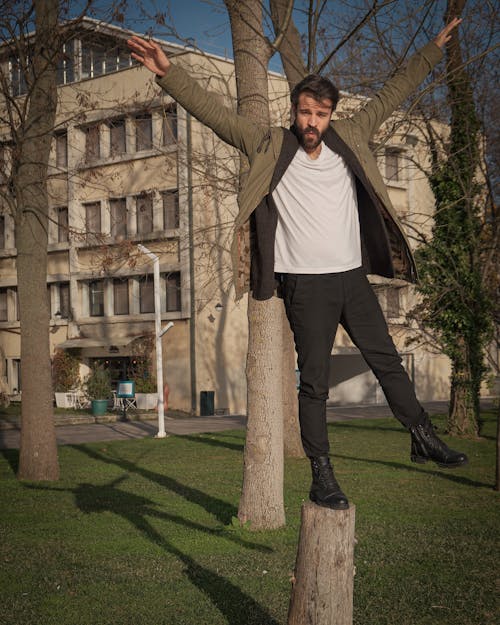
pixel 70 433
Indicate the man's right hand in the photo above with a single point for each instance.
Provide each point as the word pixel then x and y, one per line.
pixel 149 54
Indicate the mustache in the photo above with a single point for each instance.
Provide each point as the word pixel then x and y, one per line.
pixel 310 129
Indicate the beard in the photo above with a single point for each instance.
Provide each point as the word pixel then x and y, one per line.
pixel 309 138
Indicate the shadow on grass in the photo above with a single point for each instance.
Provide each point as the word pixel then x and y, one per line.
pixel 12 457
pixel 459 479
pixel 207 439
pixel 237 607
pixel 355 425
pixel 221 510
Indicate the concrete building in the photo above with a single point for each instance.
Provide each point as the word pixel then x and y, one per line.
pixel 130 167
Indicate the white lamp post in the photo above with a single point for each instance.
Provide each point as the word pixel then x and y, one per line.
pixel 159 332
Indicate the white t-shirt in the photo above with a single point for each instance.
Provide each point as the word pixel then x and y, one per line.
pixel 318 223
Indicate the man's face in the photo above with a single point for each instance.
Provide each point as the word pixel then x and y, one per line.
pixel 312 119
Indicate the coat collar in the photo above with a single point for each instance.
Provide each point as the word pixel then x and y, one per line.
pixel 331 138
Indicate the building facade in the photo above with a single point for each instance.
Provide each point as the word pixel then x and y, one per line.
pixel 128 167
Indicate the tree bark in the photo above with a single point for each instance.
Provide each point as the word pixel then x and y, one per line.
pixel 38 449
pixel 291 433
pixel 290 48
pixel 497 467
pixel 461 419
pixel 261 501
pixel 323 588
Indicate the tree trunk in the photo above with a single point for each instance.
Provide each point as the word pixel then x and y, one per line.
pixel 290 49
pixel 291 432
pixel 323 588
pixel 461 416
pixel 497 468
pixel 38 453
pixel 261 500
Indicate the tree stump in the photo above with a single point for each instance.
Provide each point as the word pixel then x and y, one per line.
pixel 322 592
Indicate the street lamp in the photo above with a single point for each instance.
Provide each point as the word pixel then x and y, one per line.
pixel 159 332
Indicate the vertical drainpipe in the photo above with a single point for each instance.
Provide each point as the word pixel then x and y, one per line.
pixel 192 319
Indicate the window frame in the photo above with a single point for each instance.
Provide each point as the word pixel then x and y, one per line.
pixel 143 140
pixel 168 193
pixel 140 219
pixel 118 226
pixel 92 301
pixel 62 227
pixel 92 152
pixel 146 281
pixel 169 289
pixel 113 125
pixel 124 283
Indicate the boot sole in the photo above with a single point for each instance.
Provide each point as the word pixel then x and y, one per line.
pixel 454 465
pixel 324 504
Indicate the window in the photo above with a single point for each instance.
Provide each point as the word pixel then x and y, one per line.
pixel 173 281
pixel 143 132
pixel 120 296
pixel 5 161
pixel 62 224
pixel 146 295
pixel 118 209
pixel 104 58
pixel 144 209
pixel 66 64
pixel 96 298
pixel 17 76
pixel 62 149
pixel 92 220
pixel 92 143
pixel 169 127
pixel 3 305
pixel 392 306
pixel 16 374
pixel 393 164
pixel 64 301
pixel 2 232
pixel 92 60
pixel 170 209
pixel 117 137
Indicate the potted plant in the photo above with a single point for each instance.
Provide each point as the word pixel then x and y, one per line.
pixel 146 393
pixel 98 389
pixel 65 377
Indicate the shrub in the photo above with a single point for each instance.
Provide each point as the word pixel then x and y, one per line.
pixel 65 371
pixel 98 383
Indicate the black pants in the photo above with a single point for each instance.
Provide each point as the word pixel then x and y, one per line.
pixel 315 304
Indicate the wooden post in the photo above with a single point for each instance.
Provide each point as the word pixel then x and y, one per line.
pixel 322 592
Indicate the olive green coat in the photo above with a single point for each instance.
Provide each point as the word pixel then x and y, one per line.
pixel 350 137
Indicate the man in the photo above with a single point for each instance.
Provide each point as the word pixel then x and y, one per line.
pixel 322 220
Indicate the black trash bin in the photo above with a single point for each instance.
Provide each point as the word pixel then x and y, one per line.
pixel 207 403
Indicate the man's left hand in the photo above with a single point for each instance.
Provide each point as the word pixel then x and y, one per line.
pixel 445 35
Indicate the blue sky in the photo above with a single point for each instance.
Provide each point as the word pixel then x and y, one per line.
pixel 205 22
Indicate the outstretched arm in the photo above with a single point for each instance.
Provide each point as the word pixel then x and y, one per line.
pixel 232 128
pixel 403 83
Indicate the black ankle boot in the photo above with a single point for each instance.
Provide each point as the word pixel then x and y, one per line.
pixel 425 445
pixel 325 490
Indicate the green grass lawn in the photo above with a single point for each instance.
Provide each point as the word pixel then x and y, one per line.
pixel 139 532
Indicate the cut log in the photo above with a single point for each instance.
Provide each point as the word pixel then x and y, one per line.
pixel 322 592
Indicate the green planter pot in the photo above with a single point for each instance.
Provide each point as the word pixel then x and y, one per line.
pixel 99 407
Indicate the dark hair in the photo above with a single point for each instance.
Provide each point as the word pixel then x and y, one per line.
pixel 318 87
